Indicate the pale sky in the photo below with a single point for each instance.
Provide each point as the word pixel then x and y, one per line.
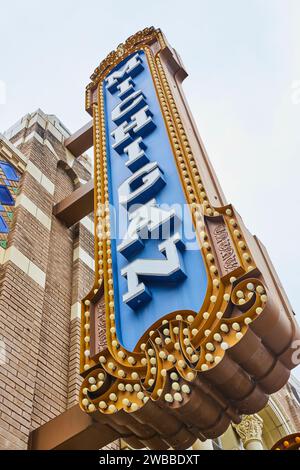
pixel 243 59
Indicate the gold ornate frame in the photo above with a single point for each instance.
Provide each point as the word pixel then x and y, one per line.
pixel 184 351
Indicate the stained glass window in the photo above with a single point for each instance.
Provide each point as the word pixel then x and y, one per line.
pixel 5 196
pixel 9 171
pixel 9 183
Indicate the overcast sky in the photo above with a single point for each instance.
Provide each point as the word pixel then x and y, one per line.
pixel 243 59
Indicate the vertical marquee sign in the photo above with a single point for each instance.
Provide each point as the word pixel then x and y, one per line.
pixel 186 327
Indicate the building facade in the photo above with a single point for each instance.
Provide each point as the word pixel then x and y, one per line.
pixel 46 268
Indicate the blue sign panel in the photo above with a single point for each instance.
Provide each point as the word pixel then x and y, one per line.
pixel 157 265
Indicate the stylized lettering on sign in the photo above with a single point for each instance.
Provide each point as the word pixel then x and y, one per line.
pixel 150 255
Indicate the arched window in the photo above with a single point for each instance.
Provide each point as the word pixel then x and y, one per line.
pixel 9 184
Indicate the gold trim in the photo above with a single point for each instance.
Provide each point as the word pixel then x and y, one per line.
pixel 188 342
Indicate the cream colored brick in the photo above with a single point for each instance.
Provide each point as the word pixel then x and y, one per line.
pixel 15 256
pixel 50 147
pixel 24 201
pixel 88 224
pixel 19 142
pixel 43 218
pixel 47 184
pixel 54 132
pixel 34 171
pixel 80 253
pixel 7 152
pixel 37 118
pixel 37 274
pixel 76 311
pixel 2 255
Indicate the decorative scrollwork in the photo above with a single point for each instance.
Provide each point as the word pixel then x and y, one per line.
pixel 171 355
pixel 146 36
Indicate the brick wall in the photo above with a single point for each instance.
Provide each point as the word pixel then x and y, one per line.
pixel 50 398
pixel 39 283
pixel 21 316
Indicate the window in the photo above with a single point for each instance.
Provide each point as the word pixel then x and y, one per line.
pixel 9 171
pixel 3 226
pixel 5 196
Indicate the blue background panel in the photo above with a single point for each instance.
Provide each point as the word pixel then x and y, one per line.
pixel 166 296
